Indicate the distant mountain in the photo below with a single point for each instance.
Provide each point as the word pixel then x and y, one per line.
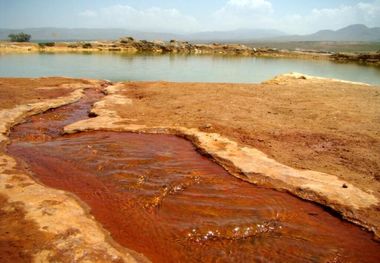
pixel 349 33
pixel 234 35
pixel 76 34
pixel 67 34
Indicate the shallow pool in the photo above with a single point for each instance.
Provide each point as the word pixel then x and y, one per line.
pixel 117 67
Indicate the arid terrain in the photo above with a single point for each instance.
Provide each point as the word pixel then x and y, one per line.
pixel 306 123
pixel 318 139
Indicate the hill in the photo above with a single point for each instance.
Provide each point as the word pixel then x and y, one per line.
pixel 75 34
pixel 350 33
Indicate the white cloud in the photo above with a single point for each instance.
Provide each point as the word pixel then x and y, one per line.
pixel 88 13
pixel 262 14
pixel 251 5
pixel 372 9
pixel 235 14
pixel 151 19
pixel 243 14
pixel 334 18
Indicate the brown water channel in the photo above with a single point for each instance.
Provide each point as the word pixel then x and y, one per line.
pixel 160 197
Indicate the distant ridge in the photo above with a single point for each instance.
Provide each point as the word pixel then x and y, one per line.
pixel 356 32
pixel 77 34
pixel 235 35
pixel 349 33
pixel 67 34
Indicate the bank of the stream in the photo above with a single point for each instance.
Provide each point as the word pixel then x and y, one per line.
pixel 158 196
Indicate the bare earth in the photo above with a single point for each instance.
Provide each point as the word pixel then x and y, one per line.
pixel 316 138
pixel 16 91
pixel 330 127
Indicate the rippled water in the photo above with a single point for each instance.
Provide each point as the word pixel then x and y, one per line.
pixel 158 196
pixel 118 67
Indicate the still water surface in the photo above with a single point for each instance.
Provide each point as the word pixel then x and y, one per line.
pixel 117 67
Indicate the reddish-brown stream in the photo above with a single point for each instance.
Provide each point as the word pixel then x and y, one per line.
pixel 158 196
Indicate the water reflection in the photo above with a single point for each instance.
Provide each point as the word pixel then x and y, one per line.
pixel 118 67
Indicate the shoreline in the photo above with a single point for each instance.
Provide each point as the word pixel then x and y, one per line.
pixel 131 46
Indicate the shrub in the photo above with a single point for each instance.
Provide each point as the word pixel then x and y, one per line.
pixel 126 40
pixel 48 44
pixel 87 45
pixel 20 37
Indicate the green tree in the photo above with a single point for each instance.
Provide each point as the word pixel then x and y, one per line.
pixel 20 37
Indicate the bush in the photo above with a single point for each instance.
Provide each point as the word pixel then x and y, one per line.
pixel 20 37
pixel 87 45
pixel 48 44
pixel 126 40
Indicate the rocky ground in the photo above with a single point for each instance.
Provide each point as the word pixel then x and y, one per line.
pixel 130 45
pixel 316 138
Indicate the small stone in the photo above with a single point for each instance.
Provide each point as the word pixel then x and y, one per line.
pixel 345 186
pixel 92 114
pixel 9 186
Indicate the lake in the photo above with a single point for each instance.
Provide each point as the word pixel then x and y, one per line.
pixel 118 67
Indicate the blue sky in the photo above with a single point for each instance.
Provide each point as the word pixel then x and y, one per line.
pixel 182 16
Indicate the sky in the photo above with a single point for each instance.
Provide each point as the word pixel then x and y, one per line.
pixel 185 16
